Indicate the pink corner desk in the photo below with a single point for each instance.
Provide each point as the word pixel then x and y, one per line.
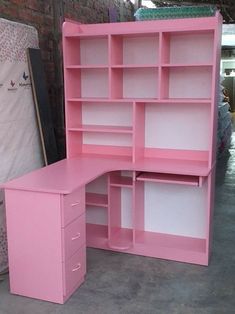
pixel 140 101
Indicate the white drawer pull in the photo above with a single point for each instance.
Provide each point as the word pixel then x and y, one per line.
pixel 75 204
pixel 77 236
pixel 77 267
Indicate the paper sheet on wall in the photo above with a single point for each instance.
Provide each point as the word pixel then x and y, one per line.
pixel 20 148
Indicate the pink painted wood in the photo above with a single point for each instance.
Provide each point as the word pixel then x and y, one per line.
pixel 73 237
pixel 45 209
pixel 34 244
pixel 168 178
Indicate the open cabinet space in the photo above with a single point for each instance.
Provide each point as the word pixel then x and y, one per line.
pixel 194 47
pixel 128 50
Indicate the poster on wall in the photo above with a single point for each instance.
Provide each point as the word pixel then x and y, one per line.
pixel 20 148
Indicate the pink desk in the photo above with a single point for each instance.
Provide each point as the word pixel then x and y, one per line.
pixel 47 229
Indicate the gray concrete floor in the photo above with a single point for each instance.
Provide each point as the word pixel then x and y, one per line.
pixel 122 283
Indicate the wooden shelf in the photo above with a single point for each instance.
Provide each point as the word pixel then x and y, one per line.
pixel 100 100
pixel 95 199
pixel 103 129
pixel 185 100
pixel 183 65
pixel 168 178
pixel 144 100
pixel 121 181
pixel 76 67
pixel 134 66
pixel 85 36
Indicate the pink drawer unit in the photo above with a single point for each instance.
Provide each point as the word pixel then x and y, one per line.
pixel 73 205
pixel 74 271
pixel 73 237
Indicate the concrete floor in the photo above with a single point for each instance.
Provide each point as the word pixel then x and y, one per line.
pixel 122 283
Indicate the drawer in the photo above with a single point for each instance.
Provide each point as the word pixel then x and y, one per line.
pixel 74 270
pixel 73 236
pixel 73 205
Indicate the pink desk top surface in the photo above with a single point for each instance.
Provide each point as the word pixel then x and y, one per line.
pixel 69 174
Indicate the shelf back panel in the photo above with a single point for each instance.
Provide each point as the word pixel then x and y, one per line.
pixel 177 126
pixel 198 78
pixel 140 83
pixel 176 209
pixel 94 51
pixel 110 114
pixel 191 48
pixel 141 50
pixel 94 83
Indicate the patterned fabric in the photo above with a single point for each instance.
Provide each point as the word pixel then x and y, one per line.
pixel 14 39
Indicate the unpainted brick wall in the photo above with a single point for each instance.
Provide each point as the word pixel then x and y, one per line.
pixel 47 17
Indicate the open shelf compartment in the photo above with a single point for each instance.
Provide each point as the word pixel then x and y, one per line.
pixel 94 83
pixel 118 180
pixel 100 127
pixel 96 199
pixel 131 83
pixel 186 47
pixel 79 51
pixel 130 49
pixel 175 82
pixel 120 222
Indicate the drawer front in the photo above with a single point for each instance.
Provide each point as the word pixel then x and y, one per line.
pixel 74 270
pixel 73 236
pixel 73 205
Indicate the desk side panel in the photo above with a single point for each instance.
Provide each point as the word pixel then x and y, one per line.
pixel 34 244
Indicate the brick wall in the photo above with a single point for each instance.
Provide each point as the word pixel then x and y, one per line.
pixel 47 16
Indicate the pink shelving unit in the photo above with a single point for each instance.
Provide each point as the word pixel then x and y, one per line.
pixel 140 104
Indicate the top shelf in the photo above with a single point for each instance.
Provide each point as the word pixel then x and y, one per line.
pixel 141 50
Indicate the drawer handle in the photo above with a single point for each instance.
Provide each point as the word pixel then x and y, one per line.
pixel 77 267
pixel 77 236
pixel 75 204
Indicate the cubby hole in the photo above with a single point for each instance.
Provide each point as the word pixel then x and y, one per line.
pixel 163 132
pixel 73 112
pixel 94 51
pixel 121 234
pixel 188 47
pixel 132 83
pixel 172 126
pixel 121 179
pixel 73 88
pixel 97 211
pixel 135 49
pixel 94 83
pixel 107 144
pixel 108 114
pixel 187 82
pixel 86 51
pixel 100 116
pixel 71 51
